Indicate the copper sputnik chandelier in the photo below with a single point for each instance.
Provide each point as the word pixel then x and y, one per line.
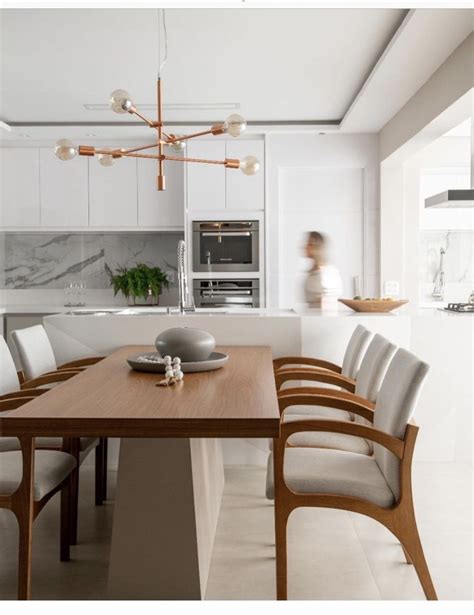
pixel 121 102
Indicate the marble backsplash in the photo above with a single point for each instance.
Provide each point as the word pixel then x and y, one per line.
pixel 458 264
pixel 39 261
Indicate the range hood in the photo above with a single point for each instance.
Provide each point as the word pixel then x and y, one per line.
pixel 455 198
pixel 451 199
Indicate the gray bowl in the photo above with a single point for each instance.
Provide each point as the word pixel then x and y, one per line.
pixel 187 343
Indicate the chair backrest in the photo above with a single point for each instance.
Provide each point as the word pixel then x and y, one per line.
pixel 35 351
pixel 374 366
pixel 354 351
pixel 9 381
pixel 395 405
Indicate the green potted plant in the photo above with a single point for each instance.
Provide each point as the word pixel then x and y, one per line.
pixel 139 282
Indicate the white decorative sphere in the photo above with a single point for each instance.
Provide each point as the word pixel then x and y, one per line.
pixel 167 359
pixel 178 374
pixel 177 361
pixel 169 373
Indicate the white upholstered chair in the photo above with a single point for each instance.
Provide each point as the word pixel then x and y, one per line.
pixel 377 486
pixel 10 387
pixel 370 375
pixel 351 361
pixel 45 472
pixel 37 356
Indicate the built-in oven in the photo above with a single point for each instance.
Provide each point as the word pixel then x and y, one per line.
pixel 226 293
pixel 225 246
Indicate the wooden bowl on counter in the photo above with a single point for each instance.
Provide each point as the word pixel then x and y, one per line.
pixel 373 305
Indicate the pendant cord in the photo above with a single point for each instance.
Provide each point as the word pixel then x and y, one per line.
pixel 161 62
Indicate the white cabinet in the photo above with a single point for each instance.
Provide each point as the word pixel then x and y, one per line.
pixel 20 206
pixel 214 186
pixel 113 194
pixel 244 191
pixel 160 209
pixel 206 182
pixel 64 198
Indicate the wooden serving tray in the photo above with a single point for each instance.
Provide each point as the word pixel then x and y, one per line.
pixel 373 305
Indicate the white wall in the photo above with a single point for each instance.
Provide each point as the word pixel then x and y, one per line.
pixel 442 103
pixel 299 198
pixel 444 163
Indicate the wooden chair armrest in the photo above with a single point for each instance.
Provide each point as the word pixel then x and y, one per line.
pixel 282 361
pixel 350 403
pixel 23 393
pixel 14 402
pixel 49 379
pixel 391 443
pixel 81 362
pixel 329 393
pixel 74 370
pixel 314 374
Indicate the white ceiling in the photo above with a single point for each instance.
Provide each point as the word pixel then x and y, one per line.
pixel 276 65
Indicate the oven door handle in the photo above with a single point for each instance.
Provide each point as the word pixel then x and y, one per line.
pixel 209 292
pixel 228 234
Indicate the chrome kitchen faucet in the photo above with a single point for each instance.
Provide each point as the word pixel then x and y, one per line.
pixel 186 302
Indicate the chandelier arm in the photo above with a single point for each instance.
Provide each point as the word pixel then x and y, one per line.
pixel 116 153
pixel 231 163
pixel 136 155
pixel 215 130
pixel 136 149
pixel 160 180
pixel 133 111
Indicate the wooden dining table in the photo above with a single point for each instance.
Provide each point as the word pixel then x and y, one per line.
pixel 170 472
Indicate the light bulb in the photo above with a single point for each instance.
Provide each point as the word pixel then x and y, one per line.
pixel 65 149
pixel 106 160
pixel 120 101
pixel 178 146
pixel 249 165
pixel 235 125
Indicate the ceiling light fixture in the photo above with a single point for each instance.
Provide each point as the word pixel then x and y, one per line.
pixel 121 102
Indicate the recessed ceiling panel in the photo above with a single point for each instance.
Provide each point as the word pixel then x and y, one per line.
pixel 58 65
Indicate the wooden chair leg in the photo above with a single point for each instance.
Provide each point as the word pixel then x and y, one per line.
pixel 65 522
pixel 74 505
pixel 105 468
pixel 25 526
pixel 99 472
pixel 281 522
pixel 411 544
pixel 407 557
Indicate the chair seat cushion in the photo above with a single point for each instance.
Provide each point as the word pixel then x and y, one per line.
pixel 13 444
pixel 51 468
pixel 322 411
pixel 316 470
pixel 326 439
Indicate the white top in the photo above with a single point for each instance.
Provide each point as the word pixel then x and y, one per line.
pixel 322 282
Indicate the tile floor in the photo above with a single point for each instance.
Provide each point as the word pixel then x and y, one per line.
pixel 332 554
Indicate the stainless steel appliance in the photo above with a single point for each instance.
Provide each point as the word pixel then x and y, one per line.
pixel 226 245
pixel 226 293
